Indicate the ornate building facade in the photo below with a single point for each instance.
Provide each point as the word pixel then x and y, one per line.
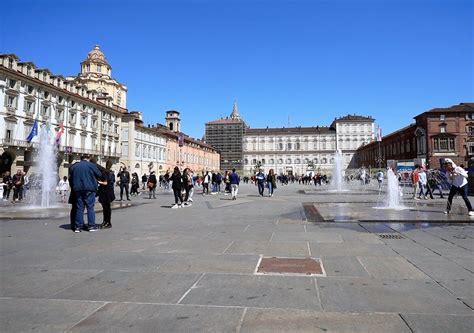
pixel 304 150
pixel 91 124
pixel 96 76
pixel 143 148
pixel 184 151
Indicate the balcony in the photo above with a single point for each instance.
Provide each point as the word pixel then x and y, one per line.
pixel 18 143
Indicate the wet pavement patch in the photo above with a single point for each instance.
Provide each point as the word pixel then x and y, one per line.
pixel 311 212
pixel 290 266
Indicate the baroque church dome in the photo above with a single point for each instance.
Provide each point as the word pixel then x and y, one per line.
pixel 96 56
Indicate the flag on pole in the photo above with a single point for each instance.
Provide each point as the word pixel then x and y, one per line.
pixel 379 134
pixel 57 138
pixel 34 131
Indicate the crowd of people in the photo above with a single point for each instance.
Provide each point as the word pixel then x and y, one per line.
pixel 88 180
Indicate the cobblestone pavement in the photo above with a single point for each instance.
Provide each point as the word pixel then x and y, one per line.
pixel 194 269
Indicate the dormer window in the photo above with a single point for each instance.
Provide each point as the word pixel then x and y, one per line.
pixel 99 68
pixel 88 68
pixel 442 117
pixel 442 129
pixel 28 70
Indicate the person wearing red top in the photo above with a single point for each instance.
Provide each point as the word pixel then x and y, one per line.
pixel 415 178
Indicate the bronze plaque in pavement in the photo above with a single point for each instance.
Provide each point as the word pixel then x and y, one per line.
pixel 305 266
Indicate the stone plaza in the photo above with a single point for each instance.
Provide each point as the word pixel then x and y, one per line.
pixel 196 269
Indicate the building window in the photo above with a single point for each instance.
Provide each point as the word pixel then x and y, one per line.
pixel 88 68
pixel 288 161
pixel 263 161
pixel 45 111
pixel 272 161
pixel 289 146
pixel 280 146
pixel 11 84
pixel 280 161
pixel 444 144
pixel 442 129
pixel 324 161
pixel 11 101
pixel 442 116
pixel 315 161
pixel 60 115
pixel 99 68
pixel 29 107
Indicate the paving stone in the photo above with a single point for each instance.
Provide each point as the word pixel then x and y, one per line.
pixel 161 318
pixel 343 267
pixel 350 249
pixel 382 295
pixel 270 248
pixel 460 287
pixel 276 320
pixel 151 287
pixel 466 262
pixel 255 291
pixel 439 268
pixel 317 237
pixel 208 263
pixel 196 246
pixel 30 282
pixel 43 315
pixel 423 323
pixel 391 268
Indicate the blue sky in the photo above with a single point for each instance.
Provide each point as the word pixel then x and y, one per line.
pixel 306 61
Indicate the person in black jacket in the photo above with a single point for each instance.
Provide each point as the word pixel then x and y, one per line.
pixel 106 194
pixel 152 181
pixel 124 177
pixel 177 186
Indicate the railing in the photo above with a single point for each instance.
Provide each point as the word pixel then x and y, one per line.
pixel 19 143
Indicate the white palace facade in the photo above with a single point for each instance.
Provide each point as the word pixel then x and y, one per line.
pixel 305 150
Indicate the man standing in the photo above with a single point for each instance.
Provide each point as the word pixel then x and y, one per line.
pixel 84 177
pixel 7 186
pixel 457 177
pixel 144 181
pixel 234 184
pixel 124 177
pixel 18 180
pixel 260 178
pixel 380 179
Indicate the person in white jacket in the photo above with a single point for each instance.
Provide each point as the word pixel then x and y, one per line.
pixel 457 177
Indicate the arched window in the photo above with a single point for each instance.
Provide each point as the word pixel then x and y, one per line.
pixel 272 161
pixel 254 161
pixel 246 161
pixel 288 161
pixel 324 161
pixel 263 161
pixel 280 161
pixel 316 161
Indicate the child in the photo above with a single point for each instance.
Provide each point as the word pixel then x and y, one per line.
pixel 63 189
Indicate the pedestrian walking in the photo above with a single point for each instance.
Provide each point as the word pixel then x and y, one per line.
pixel 422 181
pixel 260 179
pixel 135 184
pixel 177 186
pixel 205 183
pixel 144 181
pixel 151 183
pixel 124 179
pixel 188 185
pixel 271 182
pixel 234 184
pixel 84 176
pixel 415 180
pixel 457 177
